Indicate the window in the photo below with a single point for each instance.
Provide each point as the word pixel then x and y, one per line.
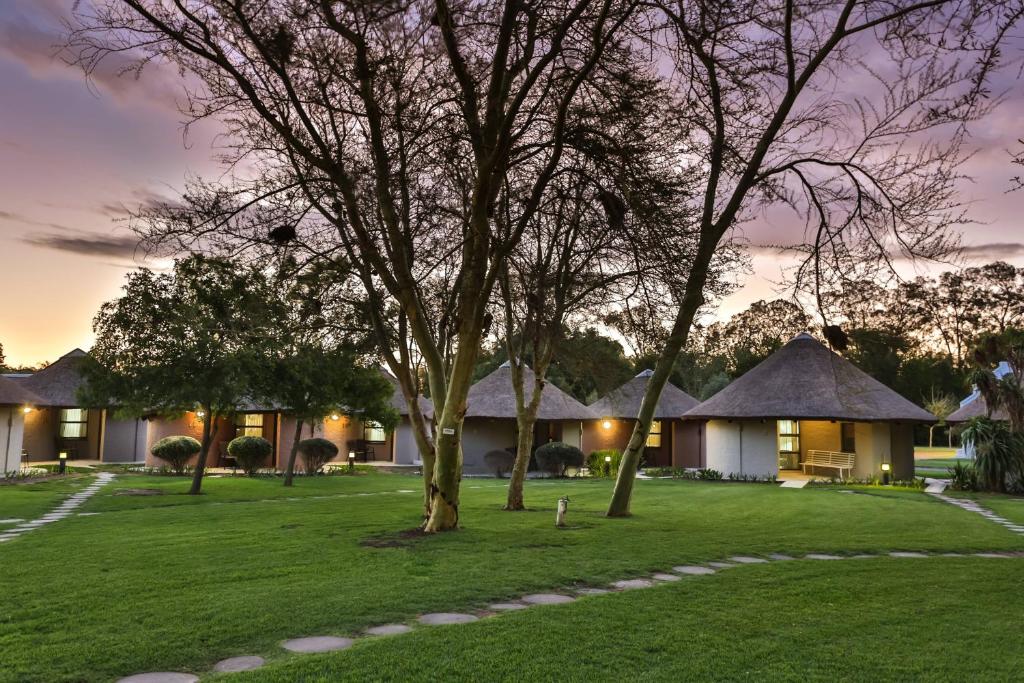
pixel 74 423
pixel 789 436
pixel 654 436
pixel 249 424
pixel 847 437
pixel 373 432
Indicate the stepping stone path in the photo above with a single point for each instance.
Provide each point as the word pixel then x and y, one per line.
pixel 743 559
pixel 721 565
pixel 62 511
pixel 444 618
pixel 974 506
pixel 547 599
pixel 317 644
pixel 592 591
pixel 667 577
pixel 388 630
pixel 822 556
pixel 507 606
pixel 779 557
pixel 236 664
pixel 906 554
pixel 630 584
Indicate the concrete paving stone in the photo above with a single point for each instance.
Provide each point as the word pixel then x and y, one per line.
pixel 507 606
pixel 236 664
pixel 721 565
pixel 693 570
pixel 822 556
pixel 900 553
pixel 388 630
pixel 547 599
pixel 317 644
pixel 745 559
pixel 160 677
pixel 996 555
pixel 442 618
pixel 630 584
pixel 592 591
pixel 780 557
pixel 666 577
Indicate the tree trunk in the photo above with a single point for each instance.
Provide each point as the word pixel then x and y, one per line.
pixel 525 421
pixel 289 471
pixel 931 432
pixel 692 300
pixel 197 476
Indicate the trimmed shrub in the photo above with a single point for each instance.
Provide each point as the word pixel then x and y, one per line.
pixel 316 453
pixel 176 451
pixel 555 456
pixel 499 462
pixel 599 467
pixel 250 452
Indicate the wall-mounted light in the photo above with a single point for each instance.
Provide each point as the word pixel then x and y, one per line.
pixel 27 409
pixel 607 424
pixel 200 414
pixel 335 417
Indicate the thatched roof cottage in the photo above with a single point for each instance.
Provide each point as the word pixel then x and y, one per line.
pixel 15 403
pixel 671 443
pixel 803 405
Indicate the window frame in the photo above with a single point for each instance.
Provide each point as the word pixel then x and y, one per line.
pixel 654 435
pixel 242 428
pixel 794 434
pixel 83 423
pixel 374 426
pixel 852 427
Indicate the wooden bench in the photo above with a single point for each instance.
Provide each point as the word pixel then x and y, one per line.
pixel 836 460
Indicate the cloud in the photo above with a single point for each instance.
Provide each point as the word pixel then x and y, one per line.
pixel 20 218
pixel 993 251
pixel 106 246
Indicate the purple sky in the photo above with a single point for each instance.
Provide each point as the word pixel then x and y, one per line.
pixel 74 154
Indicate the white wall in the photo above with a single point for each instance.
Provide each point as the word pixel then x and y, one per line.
pixel 406 450
pixel 873 443
pixel 572 434
pixel 12 428
pixel 742 447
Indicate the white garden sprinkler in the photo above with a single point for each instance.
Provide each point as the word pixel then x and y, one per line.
pixel 563 507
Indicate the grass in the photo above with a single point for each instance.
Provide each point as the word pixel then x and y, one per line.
pixel 174 582
pixel 859 620
pixel 30 500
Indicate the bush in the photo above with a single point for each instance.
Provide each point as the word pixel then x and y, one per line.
pixel 250 452
pixel 176 451
pixel 963 477
pixel 555 456
pixel 599 467
pixel 499 462
pixel 707 474
pixel 316 453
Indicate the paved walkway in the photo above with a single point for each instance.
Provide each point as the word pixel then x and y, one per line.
pixel 974 506
pixel 330 643
pixel 65 509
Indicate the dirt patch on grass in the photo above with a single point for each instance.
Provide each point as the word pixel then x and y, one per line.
pixel 139 492
pixel 401 539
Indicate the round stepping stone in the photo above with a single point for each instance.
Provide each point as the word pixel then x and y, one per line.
pixel 547 599
pixel 235 664
pixel 317 644
pixel 822 556
pixel 667 577
pixel 592 591
pixel 953 555
pixel 906 554
pixel 160 677
pixel 863 556
pixel 443 618
pixel 388 630
pixel 721 565
pixel 630 584
pixel 745 559
pixel 991 555
pixel 780 557
pixel 507 606
pixel 693 570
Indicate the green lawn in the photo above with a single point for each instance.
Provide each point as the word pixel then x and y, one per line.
pixel 172 582
pixel 27 501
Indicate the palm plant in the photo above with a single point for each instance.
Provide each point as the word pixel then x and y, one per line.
pixel 998 451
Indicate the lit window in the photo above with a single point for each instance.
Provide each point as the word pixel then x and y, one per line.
pixel 789 436
pixel 249 424
pixel 74 423
pixel 373 432
pixel 654 436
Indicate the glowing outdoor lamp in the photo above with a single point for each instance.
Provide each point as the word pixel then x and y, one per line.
pixel 27 409
pixel 886 468
pixel 335 417
pixel 63 462
pixel 351 461
pixel 200 414
pixel 607 424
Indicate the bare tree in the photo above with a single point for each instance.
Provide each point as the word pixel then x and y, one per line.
pixel 356 107
pixel 767 90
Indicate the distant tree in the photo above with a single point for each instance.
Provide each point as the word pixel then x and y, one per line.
pixel 755 333
pixel 941 406
pixel 191 339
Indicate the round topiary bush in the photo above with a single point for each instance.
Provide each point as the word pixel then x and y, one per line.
pixel 176 451
pixel 555 456
pixel 499 462
pixel 316 453
pixel 250 452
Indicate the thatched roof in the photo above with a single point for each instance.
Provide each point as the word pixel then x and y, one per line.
pixel 493 396
pixel 57 384
pixel 976 407
pixel 398 400
pixel 624 403
pixel 13 393
pixel 805 380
